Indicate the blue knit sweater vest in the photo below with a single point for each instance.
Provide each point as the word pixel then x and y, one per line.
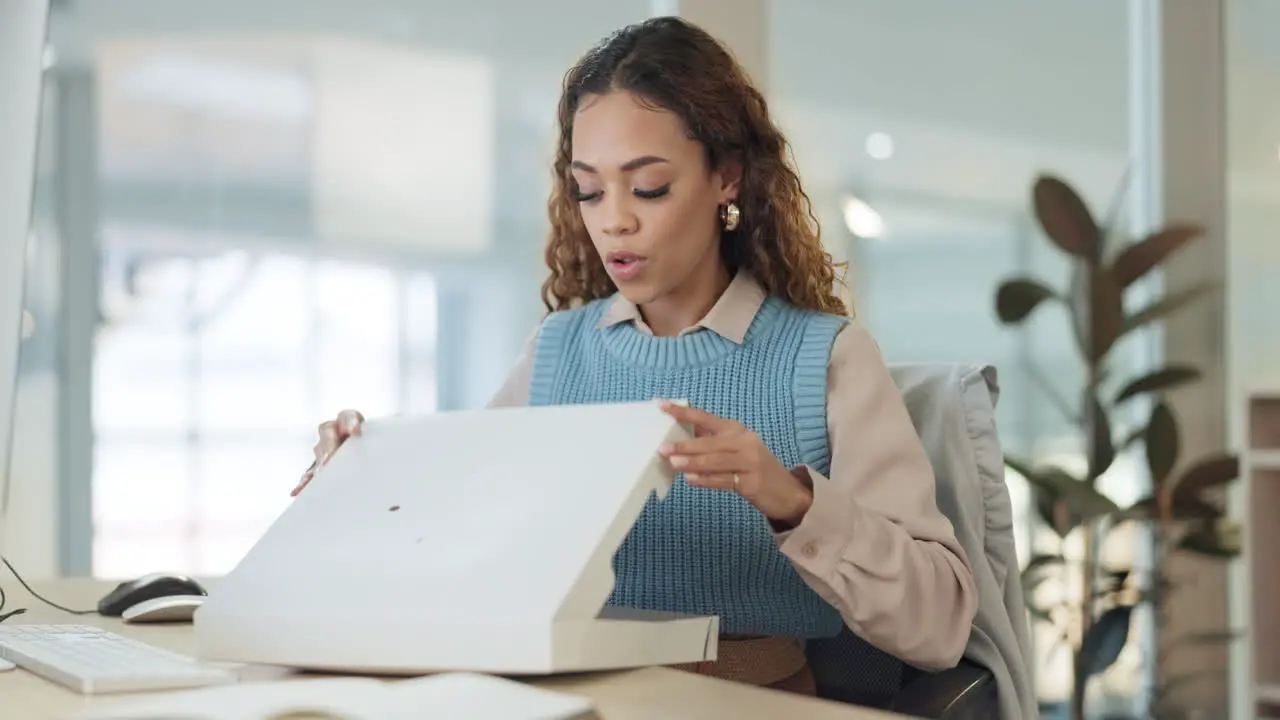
pixel 701 551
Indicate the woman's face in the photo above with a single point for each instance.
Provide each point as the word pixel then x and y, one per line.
pixel 647 196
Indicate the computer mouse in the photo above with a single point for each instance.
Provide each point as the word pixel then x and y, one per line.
pixel 168 609
pixel 147 587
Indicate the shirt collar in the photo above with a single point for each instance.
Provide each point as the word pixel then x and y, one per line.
pixel 730 317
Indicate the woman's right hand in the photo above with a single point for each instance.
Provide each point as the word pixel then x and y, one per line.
pixel 332 434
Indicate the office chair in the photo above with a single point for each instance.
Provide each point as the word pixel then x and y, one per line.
pixel 953 410
pixel 848 669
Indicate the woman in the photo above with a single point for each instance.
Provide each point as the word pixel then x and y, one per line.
pixel 685 263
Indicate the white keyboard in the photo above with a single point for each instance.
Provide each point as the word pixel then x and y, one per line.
pixel 92 661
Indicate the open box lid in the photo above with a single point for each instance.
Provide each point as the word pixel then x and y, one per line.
pixel 462 517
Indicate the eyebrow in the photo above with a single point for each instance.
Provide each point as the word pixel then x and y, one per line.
pixel 627 166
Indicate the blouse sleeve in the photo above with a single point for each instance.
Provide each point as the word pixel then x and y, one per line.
pixel 874 543
pixel 514 391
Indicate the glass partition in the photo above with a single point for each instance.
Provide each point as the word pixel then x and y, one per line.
pixel 919 135
pixel 252 217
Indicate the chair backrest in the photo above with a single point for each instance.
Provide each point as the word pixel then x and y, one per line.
pixel 953 410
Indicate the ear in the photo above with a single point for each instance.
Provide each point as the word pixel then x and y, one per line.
pixel 729 177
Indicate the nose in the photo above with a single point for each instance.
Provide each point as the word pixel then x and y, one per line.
pixel 618 216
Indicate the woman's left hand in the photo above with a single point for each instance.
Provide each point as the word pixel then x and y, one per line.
pixel 724 455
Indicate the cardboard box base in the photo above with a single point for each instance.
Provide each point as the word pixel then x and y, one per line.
pixel 618 639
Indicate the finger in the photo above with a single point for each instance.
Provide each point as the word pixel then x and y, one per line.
pixel 699 445
pixel 700 419
pixel 744 486
pixel 349 423
pixel 329 434
pixel 306 479
pixel 712 481
pixel 720 462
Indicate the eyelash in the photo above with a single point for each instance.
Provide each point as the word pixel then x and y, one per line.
pixel 652 194
pixel 642 194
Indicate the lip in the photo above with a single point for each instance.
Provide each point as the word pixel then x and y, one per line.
pixel 625 266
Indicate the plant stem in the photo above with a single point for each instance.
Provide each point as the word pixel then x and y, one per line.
pixel 1087 566
pixel 1161 530
pixel 1081 678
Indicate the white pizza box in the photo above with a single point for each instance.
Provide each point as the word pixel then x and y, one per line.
pixel 475 541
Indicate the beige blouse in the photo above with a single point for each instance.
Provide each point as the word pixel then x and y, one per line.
pixel 873 544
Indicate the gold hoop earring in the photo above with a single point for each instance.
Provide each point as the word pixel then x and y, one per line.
pixel 730 216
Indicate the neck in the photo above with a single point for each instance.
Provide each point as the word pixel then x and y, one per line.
pixel 683 307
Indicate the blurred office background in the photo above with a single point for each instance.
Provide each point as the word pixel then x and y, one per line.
pixel 251 215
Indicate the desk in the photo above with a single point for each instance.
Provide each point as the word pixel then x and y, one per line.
pixel 628 695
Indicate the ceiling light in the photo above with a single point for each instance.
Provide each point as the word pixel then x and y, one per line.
pixel 880 146
pixel 862 219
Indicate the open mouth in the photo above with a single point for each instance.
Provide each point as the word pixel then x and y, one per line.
pixel 624 265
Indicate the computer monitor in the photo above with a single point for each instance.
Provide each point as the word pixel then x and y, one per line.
pixel 23 33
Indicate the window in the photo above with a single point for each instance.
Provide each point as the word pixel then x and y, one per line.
pixel 210 376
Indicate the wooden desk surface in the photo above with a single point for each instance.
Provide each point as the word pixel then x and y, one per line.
pixel 629 695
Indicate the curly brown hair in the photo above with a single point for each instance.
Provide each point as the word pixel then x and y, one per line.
pixel 674 65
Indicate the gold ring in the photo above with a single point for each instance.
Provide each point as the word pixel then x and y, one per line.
pixel 737 482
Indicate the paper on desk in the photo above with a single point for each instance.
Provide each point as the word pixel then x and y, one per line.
pixel 449 695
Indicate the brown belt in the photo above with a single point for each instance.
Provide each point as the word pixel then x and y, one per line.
pixel 755 661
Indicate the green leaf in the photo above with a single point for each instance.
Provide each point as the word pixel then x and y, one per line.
pixel 1163 443
pixel 1188 509
pixel 1101 452
pixel 1141 257
pixel 1112 581
pixel 1031 581
pixel 1017 298
pixel 1210 472
pixel 1043 480
pixel 1066 219
pixel 1166 378
pixel 1104 641
pixel 1061 499
pixel 1097 310
pixel 1055 514
pixel 1117 578
pixel 1036 571
pixel 1040 561
pixel 1167 305
pixel 1219 540
pixel 1082 505
pixel 1085 502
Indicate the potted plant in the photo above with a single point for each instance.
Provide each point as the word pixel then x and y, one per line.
pixel 1184 513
